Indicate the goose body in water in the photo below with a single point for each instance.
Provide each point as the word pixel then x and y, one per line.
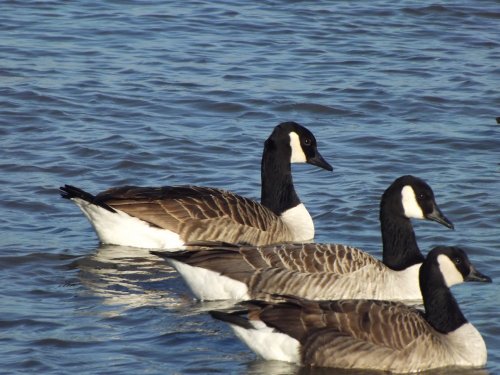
pixel 320 271
pixel 371 334
pixel 168 217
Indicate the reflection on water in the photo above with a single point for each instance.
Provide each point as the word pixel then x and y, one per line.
pixel 276 367
pixel 260 366
pixel 447 371
pixel 127 277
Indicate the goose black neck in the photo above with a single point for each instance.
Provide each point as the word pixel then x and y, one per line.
pixel 278 192
pixel 441 309
pixel 400 248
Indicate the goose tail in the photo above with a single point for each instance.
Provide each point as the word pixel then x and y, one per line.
pixel 233 318
pixel 72 192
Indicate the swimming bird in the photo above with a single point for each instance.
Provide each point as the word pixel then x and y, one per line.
pixel 169 216
pixel 320 271
pixel 371 334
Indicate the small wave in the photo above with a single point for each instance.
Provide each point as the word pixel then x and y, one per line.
pixel 313 108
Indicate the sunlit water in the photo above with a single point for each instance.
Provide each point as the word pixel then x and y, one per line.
pixel 99 94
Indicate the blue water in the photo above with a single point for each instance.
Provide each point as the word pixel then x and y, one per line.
pixel 99 94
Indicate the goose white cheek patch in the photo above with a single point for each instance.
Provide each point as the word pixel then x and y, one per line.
pixel 410 205
pixel 298 155
pixel 451 274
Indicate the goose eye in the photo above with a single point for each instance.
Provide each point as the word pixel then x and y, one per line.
pixel 307 141
pixel 458 261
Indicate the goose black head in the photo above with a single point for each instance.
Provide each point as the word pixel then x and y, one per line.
pixel 455 266
pixel 303 145
pixel 416 200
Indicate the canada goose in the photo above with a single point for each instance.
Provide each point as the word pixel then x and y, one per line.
pixel 169 216
pixel 371 334
pixel 321 271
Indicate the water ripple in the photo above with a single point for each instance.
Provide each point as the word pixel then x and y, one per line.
pixel 99 94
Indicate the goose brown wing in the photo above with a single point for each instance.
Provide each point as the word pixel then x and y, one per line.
pixel 197 212
pixel 315 271
pixel 305 259
pixel 335 332
pixel 310 258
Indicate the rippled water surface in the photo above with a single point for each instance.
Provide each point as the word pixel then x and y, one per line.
pixel 99 94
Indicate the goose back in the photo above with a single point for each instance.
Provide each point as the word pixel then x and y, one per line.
pixel 313 271
pixel 378 335
pixel 190 210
